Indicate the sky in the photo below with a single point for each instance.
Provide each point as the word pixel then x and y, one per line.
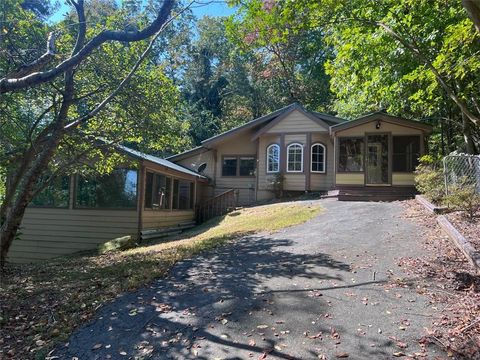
pixel 200 8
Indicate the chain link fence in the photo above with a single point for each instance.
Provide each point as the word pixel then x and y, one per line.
pixel 462 170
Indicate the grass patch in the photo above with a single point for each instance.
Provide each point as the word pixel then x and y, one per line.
pixel 41 304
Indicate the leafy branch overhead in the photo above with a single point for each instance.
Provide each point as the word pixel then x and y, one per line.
pixel 31 74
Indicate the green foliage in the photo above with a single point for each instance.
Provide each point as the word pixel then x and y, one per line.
pixel 429 178
pixel 277 184
pixel 464 197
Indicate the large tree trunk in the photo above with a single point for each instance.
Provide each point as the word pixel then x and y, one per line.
pixel 473 10
pixel 468 136
pixel 15 209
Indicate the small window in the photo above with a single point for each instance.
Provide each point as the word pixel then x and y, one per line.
pixel 115 190
pixel 295 158
pixel 183 195
pixel 247 166
pixel 56 194
pixel 157 191
pixel 350 157
pixel 273 158
pixel 229 166
pixel 318 158
pixel 406 151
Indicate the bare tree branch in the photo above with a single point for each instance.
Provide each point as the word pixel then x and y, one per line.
pixel 9 84
pixel 39 63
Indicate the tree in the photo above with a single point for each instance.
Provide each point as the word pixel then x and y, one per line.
pixel 52 114
pixel 415 58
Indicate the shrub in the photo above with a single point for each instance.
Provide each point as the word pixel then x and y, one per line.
pixel 463 196
pixel 277 185
pixel 429 179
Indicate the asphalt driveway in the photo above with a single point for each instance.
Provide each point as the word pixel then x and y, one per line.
pixel 323 288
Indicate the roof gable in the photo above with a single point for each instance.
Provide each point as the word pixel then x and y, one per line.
pixel 383 117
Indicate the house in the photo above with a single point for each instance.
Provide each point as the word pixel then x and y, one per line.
pixel 307 151
pixel 79 213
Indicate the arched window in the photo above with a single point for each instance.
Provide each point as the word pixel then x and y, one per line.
pixel 295 158
pixel 318 158
pixel 273 158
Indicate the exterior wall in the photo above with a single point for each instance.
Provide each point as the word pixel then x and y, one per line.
pixel 385 127
pixel 156 219
pixel 295 122
pixel 323 182
pixel 241 144
pixel 49 232
pixel 53 232
pixel 294 181
pixel 398 179
pixel 350 179
pixel 403 179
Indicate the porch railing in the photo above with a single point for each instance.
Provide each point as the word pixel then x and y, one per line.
pixel 216 206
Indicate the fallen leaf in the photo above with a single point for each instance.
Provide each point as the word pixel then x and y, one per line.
pixel 341 355
pixel 96 346
pixel 398 354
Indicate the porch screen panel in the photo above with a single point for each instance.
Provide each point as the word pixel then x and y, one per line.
pixel 157 191
pixel 182 195
pixel 115 190
pixel 350 157
pixel 406 151
pixel 56 194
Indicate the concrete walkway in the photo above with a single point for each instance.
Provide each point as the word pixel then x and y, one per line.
pixel 317 289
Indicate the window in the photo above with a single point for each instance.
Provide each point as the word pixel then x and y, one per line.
pixel 238 166
pixel 157 191
pixel 318 158
pixel 247 166
pixel 350 157
pixel 273 158
pixel 182 195
pixel 295 158
pixel 115 190
pixel 56 194
pixel 229 166
pixel 406 151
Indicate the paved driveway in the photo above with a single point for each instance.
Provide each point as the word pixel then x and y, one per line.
pixel 311 290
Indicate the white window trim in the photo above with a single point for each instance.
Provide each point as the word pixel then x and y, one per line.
pixel 278 162
pixel 288 156
pixel 324 158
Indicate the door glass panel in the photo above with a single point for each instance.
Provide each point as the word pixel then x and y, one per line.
pixel 377 159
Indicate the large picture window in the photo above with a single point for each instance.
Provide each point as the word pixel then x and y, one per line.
pixel 350 157
pixel 273 158
pixel 318 158
pixel 183 195
pixel 406 151
pixel 157 191
pixel 295 158
pixel 56 194
pixel 115 190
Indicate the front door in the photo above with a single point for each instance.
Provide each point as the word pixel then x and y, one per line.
pixel 377 160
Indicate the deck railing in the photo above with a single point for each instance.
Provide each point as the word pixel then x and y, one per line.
pixel 216 206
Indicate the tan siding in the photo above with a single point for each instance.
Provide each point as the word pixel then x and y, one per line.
pixel 194 162
pixel 295 181
pixel 403 179
pixel 158 219
pixel 350 179
pixel 323 181
pixel 385 127
pixel 47 233
pixel 239 145
pixel 296 122
pixel 264 179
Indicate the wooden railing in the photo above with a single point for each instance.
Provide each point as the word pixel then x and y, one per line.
pixel 216 206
